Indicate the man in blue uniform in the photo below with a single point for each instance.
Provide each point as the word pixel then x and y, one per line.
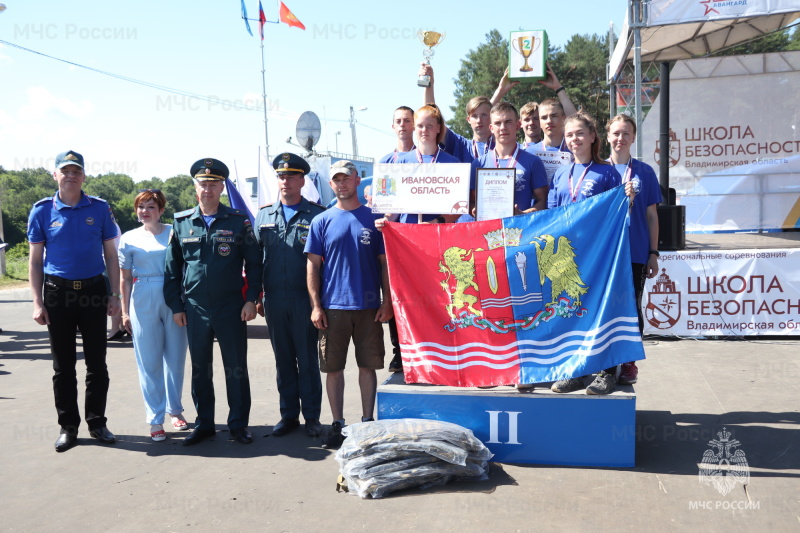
pixel 69 292
pixel 208 247
pixel 282 230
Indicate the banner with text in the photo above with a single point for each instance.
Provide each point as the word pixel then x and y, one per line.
pixel 421 188
pixel 724 293
pixel 525 299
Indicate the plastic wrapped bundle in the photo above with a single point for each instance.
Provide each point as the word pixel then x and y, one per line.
pixel 378 458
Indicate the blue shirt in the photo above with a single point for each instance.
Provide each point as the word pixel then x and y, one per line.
pixel 599 178
pixel 73 236
pixel 411 157
pixel 649 194
pixel 349 245
pixel 392 157
pixel 464 149
pixel 530 175
pixel 540 147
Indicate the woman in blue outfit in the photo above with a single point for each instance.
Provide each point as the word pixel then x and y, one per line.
pixel 587 176
pixel 159 343
pixel 644 217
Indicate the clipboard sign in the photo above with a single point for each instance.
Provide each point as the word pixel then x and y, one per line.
pixel 495 192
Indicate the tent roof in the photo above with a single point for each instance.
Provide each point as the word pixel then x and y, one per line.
pixel 669 34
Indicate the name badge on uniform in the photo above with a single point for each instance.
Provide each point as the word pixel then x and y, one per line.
pixel 267 226
pixel 223 239
pixel 224 232
pixel 304 226
pixel 190 239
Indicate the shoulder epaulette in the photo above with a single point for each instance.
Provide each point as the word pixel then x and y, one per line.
pixel 267 205
pixel 43 201
pixel 236 212
pixel 98 198
pixel 318 205
pixel 184 213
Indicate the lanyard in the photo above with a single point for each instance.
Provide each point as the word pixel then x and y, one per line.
pixel 573 192
pixel 435 157
pixel 396 154
pixel 511 164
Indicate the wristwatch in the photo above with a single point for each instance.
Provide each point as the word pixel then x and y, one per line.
pixel 116 295
pixel 655 252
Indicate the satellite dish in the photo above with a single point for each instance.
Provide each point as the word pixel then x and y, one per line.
pixel 308 130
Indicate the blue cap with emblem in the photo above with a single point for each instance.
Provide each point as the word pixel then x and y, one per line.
pixel 69 157
pixel 209 169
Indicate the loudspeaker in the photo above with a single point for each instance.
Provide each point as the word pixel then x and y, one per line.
pixel 671 227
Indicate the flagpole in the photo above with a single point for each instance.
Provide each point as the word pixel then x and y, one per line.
pixel 264 97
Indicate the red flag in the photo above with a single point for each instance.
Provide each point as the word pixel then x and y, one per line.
pixel 287 17
pixel 261 19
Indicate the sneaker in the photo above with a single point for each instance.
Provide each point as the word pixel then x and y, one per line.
pixel 334 438
pixel 629 374
pixel 396 365
pixel 367 419
pixel 604 383
pixel 567 385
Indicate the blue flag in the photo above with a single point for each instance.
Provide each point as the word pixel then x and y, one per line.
pixel 244 16
pixel 525 299
pixel 237 202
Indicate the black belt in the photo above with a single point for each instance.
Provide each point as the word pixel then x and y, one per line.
pixel 74 284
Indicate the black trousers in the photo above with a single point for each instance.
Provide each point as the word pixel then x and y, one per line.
pixel 84 310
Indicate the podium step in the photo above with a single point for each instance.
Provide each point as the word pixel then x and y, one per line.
pixel 539 427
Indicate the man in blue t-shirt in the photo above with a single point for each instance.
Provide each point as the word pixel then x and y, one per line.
pixel 346 273
pixel 403 126
pixel 77 233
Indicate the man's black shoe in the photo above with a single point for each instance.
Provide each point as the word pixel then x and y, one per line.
pixel 242 435
pixel 285 426
pixel 103 435
pixel 313 427
pixel 66 440
pixel 198 435
pixel 396 365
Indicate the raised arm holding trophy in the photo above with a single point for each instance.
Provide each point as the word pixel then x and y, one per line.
pixel 429 39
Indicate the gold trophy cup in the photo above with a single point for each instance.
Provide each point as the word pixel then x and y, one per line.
pixel 525 46
pixel 429 39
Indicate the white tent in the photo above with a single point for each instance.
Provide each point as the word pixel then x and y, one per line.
pixel 668 30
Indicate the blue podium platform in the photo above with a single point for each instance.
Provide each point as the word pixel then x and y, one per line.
pixel 539 427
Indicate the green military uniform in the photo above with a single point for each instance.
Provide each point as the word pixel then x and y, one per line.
pixel 288 307
pixel 206 263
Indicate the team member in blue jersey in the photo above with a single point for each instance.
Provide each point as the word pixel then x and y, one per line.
pixel 403 126
pixel 551 120
pixel 644 217
pixel 430 130
pixel 587 176
pixel 529 113
pixel 478 108
pixel 530 192
pixel 77 233
pixel 346 273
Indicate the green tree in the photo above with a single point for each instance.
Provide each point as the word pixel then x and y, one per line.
pixel 580 66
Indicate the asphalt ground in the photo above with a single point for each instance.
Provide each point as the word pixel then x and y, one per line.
pixel 688 391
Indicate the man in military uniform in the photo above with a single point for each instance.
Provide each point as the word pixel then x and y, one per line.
pixel 282 230
pixel 208 247
pixel 77 233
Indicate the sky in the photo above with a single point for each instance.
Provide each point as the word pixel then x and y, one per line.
pixel 354 53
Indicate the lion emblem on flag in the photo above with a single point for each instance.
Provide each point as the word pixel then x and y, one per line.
pixel 463 270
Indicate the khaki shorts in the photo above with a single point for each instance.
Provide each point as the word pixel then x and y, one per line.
pixel 344 325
